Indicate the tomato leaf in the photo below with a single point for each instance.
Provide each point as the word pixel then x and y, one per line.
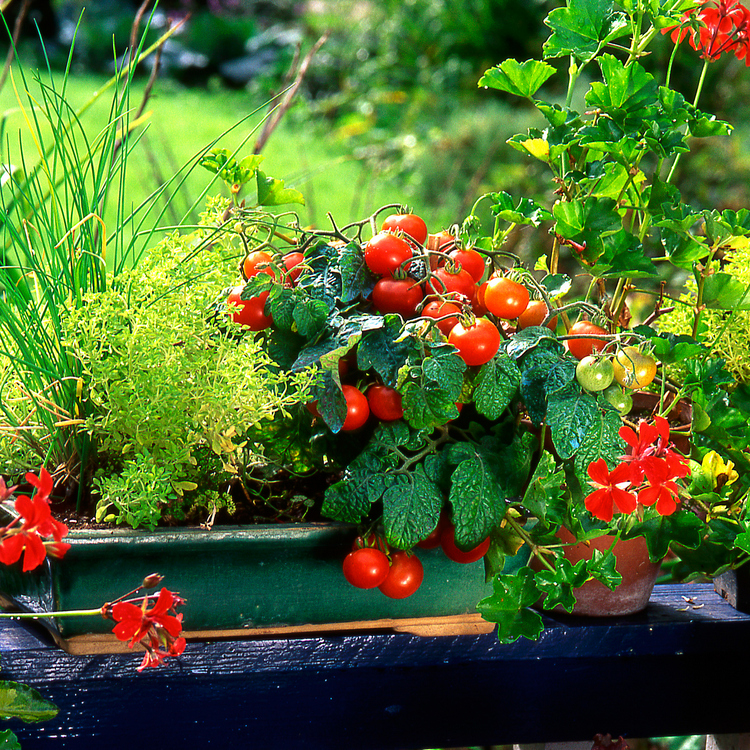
pixel 495 385
pixel 601 440
pixel 411 508
pixel 384 351
pixel 508 606
pixel 431 386
pixel 477 494
pixel 22 702
pixel 310 317
pixel 521 79
pixel 356 279
pixel 570 412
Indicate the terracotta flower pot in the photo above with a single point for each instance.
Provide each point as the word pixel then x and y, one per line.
pixel 639 574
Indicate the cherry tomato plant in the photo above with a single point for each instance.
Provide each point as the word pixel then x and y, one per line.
pixel 477 395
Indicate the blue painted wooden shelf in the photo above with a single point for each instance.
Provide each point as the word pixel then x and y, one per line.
pixel 671 670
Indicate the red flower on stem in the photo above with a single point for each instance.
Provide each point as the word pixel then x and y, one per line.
pixel 718 26
pixel 36 522
pixel 611 490
pixel 155 628
pixel 649 469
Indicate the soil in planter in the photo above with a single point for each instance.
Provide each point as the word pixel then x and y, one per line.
pixel 284 498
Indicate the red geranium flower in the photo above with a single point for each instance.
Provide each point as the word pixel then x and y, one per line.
pixel 718 26
pixel 660 488
pixel 611 490
pixel 155 628
pixel 37 522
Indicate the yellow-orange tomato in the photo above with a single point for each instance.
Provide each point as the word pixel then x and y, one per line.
pixel 633 369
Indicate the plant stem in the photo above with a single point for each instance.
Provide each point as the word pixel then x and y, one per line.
pixel 41 615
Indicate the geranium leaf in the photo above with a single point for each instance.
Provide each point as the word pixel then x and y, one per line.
pixel 582 28
pixel 625 91
pixel 557 585
pixel 522 79
pixel 508 606
pixel 271 192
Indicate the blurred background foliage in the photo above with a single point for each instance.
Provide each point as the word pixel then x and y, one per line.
pixel 388 110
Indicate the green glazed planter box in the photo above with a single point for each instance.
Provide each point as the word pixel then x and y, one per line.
pixel 235 578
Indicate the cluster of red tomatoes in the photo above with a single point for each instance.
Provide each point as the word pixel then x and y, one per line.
pixel 396 573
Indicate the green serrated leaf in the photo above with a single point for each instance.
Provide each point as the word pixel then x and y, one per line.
pixel 582 28
pixel 526 211
pixel 411 508
pixel 521 79
pixel 602 567
pixel 557 585
pixel 626 90
pixel 682 528
pixel 310 317
pixel 722 291
pixel 602 440
pixel 570 413
pixel 545 490
pixel 271 192
pixel 477 499
pixel 22 702
pixel 385 350
pixel 508 606
pixel 495 385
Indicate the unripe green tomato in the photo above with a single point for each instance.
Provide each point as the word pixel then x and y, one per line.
pixel 595 373
pixel 621 400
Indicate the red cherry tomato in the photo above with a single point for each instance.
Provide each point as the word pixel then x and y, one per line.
pixel 534 315
pixel 477 342
pixel 505 298
pixel 470 260
pixel 456 281
pixel 581 348
pixel 410 224
pixel 249 312
pixel 258 262
pixel 385 402
pixel 448 543
pixel 405 576
pixel 292 263
pixel 366 568
pixel 477 304
pixel 385 253
pixel 401 296
pixel 443 242
pixel 437 309
pixel 432 540
pixel 357 408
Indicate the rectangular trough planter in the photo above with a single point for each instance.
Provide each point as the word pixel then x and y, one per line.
pixel 236 579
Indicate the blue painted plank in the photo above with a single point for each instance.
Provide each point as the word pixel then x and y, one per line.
pixel 639 676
